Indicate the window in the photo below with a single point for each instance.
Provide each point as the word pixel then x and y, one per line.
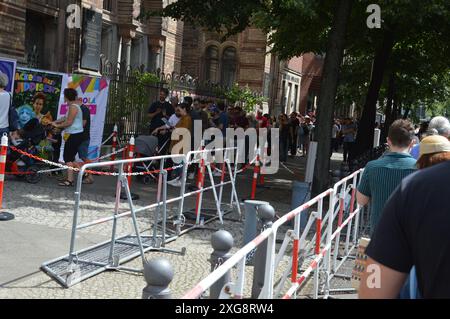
pixel 108 5
pixel 295 98
pixel 211 63
pixel 229 62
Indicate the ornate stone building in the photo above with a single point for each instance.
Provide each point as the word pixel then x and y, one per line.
pixel 36 33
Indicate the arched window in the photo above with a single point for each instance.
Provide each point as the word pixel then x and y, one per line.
pixel 211 63
pixel 229 65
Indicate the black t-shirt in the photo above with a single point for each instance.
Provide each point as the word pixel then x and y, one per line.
pixel 86 117
pixel 295 123
pixel 414 230
pixel 169 110
pixel 165 108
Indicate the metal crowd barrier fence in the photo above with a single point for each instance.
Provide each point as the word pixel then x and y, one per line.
pixel 109 255
pixel 324 247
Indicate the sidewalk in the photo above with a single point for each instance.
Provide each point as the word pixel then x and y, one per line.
pixel 41 231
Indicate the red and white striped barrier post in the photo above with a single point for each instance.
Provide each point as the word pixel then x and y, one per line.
pixel 130 156
pixel 4 216
pixel 200 183
pixel 128 153
pixel 114 146
pixel 256 171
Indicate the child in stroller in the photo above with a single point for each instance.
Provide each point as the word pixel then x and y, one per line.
pixel 26 139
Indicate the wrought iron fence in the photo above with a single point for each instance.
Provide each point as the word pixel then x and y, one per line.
pixel 129 99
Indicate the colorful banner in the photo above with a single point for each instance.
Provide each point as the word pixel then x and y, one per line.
pixel 92 92
pixel 37 94
pixel 8 68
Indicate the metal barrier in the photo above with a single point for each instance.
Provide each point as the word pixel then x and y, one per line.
pixel 79 265
pixel 327 235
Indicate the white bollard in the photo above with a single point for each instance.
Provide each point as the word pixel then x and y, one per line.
pixel 376 138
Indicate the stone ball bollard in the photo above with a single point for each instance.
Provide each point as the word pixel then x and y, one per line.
pixel 266 213
pixel 158 274
pixel 222 242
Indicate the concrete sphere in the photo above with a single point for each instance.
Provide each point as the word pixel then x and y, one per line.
pixel 266 212
pixel 158 272
pixel 222 240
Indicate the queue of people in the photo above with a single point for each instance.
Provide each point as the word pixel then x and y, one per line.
pixel 409 214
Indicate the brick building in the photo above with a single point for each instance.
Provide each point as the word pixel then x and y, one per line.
pixel 35 32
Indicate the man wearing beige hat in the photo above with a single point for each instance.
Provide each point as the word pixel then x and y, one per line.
pixel 434 149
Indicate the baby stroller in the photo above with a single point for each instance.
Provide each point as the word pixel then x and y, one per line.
pixel 22 166
pixel 149 146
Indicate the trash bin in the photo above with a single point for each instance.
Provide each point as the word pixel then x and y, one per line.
pixel 301 193
pixel 251 220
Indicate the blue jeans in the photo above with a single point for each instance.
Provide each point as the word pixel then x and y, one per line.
pixel 410 289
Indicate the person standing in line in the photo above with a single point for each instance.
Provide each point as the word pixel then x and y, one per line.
pixel 438 125
pixel 9 121
pixel 185 122
pixel 306 128
pixel 382 176
pixel 283 125
pixel 349 133
pixel 293 131
pixel 72 124
pixel 157 110
pixel 334 137
pixel 413 231
pixel 83 150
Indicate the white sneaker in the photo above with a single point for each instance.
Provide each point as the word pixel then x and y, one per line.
pixel 191 175
pixel 175 182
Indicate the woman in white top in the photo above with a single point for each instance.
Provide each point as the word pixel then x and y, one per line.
pixel 72 134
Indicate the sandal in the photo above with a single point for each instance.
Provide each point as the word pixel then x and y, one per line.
pixel 88 181
pixel 66 183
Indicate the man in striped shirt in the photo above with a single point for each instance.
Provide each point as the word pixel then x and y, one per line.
pixel 382 176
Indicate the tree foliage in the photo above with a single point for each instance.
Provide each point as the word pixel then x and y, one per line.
pixel 247 99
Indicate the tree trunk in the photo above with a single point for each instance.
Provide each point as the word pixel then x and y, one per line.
pixel 389 106
pixel 407 111
pixel 395 110
pixel 364 140
pixel 327 95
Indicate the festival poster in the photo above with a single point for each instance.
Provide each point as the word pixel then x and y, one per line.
pixel 92 92
pixel 36 94
pixel 8 69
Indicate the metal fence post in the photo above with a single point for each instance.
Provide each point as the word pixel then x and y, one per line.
pixel 158 274
pixel 222 242
pixel 266 213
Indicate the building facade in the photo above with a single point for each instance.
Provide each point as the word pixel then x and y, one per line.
pixel 44 34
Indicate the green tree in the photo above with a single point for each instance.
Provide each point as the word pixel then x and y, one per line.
pixel 412 51
pixel 294 27
pixel 247 99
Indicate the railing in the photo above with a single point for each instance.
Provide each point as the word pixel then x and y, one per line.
pixel 157 238
pixel 324 246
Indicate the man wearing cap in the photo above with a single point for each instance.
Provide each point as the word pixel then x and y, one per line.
pixel 383 175
pixel 434 149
